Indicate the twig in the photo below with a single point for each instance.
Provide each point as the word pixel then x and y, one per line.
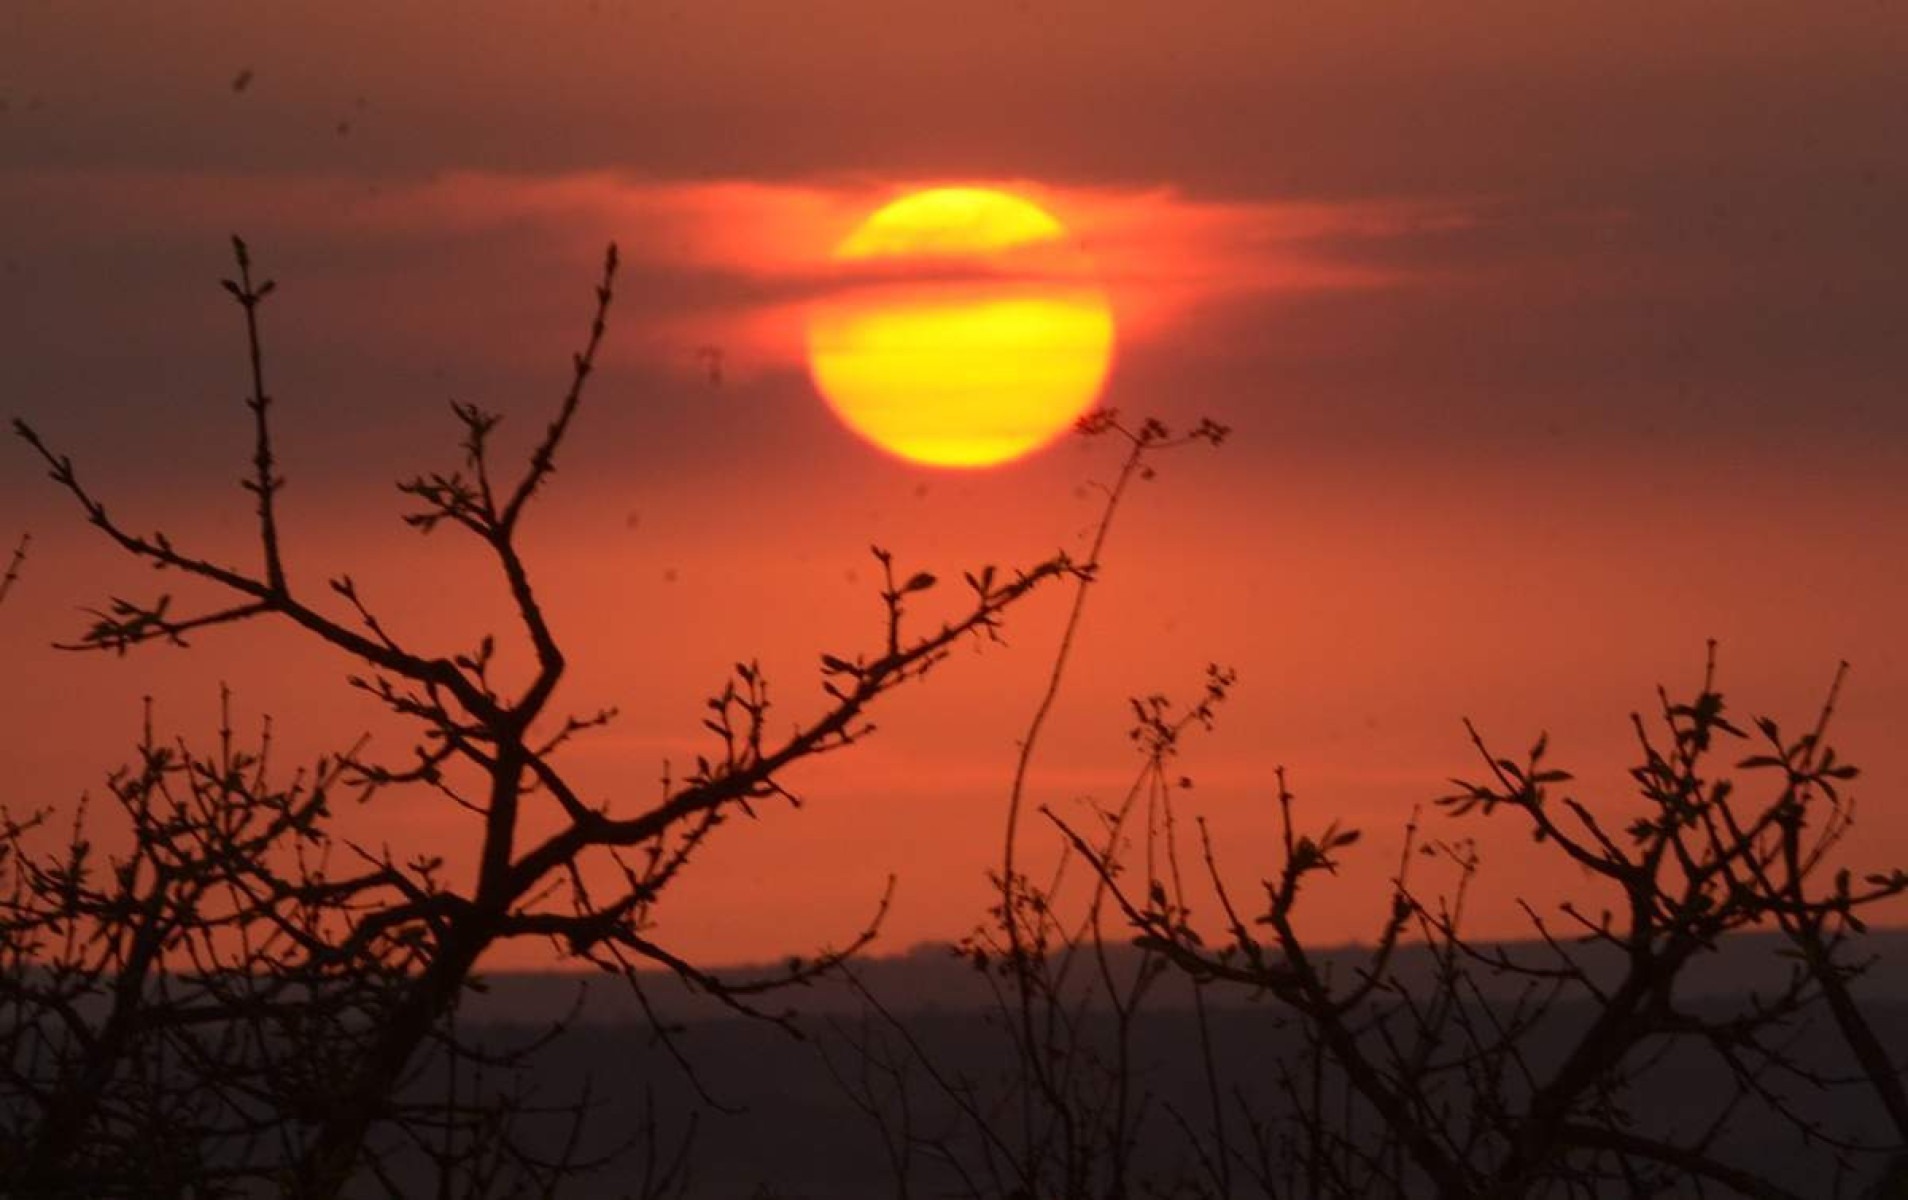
pixel 12 575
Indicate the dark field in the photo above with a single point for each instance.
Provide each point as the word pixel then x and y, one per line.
pixel 780 1118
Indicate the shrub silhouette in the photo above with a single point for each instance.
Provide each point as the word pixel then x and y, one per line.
pixel 240 999
pixel 1431 1063
pixel 1509 1071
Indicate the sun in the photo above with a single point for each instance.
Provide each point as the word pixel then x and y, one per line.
pixel 968 330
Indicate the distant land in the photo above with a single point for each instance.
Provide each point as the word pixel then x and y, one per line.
pixel 776 1117
pixel 930 978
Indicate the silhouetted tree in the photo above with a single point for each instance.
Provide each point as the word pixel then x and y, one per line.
pixel 1504 1071
pixel 335 986
pixel 155 1041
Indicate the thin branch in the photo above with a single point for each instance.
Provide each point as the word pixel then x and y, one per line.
pixel 266 483
pixel 12 575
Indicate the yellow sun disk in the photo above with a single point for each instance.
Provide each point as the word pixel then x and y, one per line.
pixel 955 219
pixel 963 383
pixel 978 337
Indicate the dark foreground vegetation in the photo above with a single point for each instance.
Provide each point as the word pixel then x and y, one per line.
pixel 795 1128
pixel 239 1003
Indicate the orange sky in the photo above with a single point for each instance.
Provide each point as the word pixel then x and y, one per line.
pixel 1553 346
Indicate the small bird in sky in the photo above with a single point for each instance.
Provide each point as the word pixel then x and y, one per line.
pixel 242 80
pixel 711 359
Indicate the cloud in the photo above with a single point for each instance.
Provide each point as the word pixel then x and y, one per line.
pixel 737 261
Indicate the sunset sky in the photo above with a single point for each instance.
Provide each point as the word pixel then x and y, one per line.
pixel 1555 340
